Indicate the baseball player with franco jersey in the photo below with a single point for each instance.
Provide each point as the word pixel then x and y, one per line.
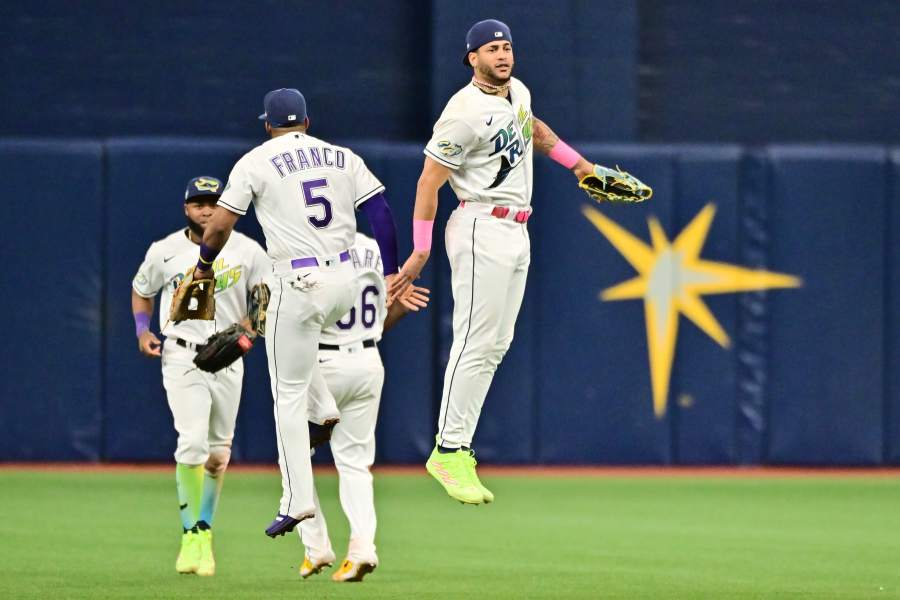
pixel 483 143
pixel 350 362
pixel 204 405
pixel 305 192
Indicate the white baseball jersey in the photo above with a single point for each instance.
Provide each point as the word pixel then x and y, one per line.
pixel 486 142
pixel 241 264
pixel 305 191
pixel 366 319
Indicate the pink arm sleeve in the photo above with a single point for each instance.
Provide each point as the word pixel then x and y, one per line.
pixel 564 154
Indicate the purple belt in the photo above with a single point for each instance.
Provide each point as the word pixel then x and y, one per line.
pixel 312 261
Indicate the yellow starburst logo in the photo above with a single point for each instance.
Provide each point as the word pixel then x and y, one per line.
pixel 671 280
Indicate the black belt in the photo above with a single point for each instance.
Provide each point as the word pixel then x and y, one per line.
pixel 366 344
pixel 189 345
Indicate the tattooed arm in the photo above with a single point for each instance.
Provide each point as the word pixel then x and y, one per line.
pixel 544 140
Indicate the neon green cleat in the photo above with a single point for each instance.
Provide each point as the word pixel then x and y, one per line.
pixel 487 494
pixel 189 555
pixel 452 471
pixel 206 565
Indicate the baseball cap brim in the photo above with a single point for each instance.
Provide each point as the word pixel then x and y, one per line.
pixel 201 196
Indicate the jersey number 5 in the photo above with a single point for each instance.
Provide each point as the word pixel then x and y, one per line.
pixel 368 311
pixel 311 199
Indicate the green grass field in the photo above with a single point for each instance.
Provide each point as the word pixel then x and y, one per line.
pixel 116 534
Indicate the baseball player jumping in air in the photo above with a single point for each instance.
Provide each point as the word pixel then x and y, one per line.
pixel 204 405
pixel 305 191
pixel 350 362
pixel 482 143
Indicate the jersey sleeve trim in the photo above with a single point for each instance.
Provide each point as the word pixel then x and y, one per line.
pixel 442 160
pixel 231 208
pixel 368 195
pixel 142 293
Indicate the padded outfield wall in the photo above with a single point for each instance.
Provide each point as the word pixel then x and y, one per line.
pixel 807 375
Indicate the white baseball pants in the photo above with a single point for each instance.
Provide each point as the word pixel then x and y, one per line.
pixel 204 405
pixel 303 302
pixel 355 376
pixel 489 260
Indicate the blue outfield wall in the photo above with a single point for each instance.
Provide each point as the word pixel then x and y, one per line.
pixel 799 376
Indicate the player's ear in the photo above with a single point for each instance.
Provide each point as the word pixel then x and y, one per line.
pixel 306 123
pixel 268 128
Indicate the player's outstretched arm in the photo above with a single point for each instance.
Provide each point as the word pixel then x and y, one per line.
pixel 434 176
pixel 215 236
pixel 142 309
pixel 547 142
pixel 600 183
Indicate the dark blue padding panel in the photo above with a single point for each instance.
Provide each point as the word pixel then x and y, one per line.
pixel 405 430
pixel 827 339
pixel 892 315
pixel 594 395
pixel 50 398
pixel 705 374
pixel 174 67
pixel 711 88
pixel 145 197
pixel 573 77
pixel 752 343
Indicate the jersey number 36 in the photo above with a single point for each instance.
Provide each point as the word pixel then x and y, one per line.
pixel 368 311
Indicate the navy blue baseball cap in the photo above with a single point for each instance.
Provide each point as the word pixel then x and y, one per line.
pixel 485 32
pixel 285 107
pixel 203 188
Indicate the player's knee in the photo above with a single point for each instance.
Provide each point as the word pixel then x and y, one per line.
pixel 193 449
pixel 353 470
pixel 495 356
pixel 218 461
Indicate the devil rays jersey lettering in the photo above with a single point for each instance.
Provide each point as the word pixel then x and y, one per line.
pixel 486 142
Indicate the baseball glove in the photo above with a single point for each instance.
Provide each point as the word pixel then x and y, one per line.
pixel 194 299
pixel 223 348
pixel 259 302
pixel 608 185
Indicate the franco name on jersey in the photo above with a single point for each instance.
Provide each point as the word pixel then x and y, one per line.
pixel 300 159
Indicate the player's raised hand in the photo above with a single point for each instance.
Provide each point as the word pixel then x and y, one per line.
pixel 149 344
pixel 411 271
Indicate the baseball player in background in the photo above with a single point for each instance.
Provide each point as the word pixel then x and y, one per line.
pixel 482 143
pixel 204 405
pixel 350 362
pixel 305 192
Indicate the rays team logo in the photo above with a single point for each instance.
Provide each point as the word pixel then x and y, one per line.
pixel 449 149
pixel 204 184
pixel 672 278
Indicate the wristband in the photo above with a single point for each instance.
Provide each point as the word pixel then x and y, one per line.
pixel 422 235
pixel 141 323
pixel 207 256
pixel 564 154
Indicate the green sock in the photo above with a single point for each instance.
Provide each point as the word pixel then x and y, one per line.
pixel 212 487
pixel 189 481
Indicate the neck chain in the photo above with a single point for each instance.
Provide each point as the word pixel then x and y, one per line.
pixel 490 88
